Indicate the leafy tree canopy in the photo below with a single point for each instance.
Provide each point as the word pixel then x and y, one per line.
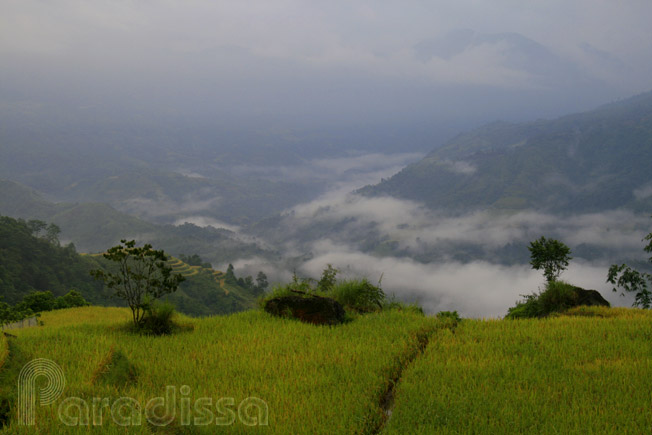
pixel 142 276
pixel 550 255
pixel 633 281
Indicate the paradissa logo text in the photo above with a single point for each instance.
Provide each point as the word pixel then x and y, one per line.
pixel 175 405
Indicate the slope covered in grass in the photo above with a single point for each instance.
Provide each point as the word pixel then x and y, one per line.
pixel 3 349
pixel 312 379
pixel 585 372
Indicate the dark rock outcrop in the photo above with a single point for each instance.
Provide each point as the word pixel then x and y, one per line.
pixel 310 309
pixel 589 297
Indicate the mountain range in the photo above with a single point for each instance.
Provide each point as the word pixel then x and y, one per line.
pixel 586 162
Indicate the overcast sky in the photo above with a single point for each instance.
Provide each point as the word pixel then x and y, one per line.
pixel 313 63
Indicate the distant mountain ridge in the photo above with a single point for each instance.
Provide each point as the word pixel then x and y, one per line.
pixel 578 163
pixel 31 263
pixel 94 227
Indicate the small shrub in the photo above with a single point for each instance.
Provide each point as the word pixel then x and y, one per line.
pixel 392 303
pixel 557 296
pixel 449 315
pixel 71 299
pixel 37 301
pixel 158 319
pixel 359 295
pixel 525 309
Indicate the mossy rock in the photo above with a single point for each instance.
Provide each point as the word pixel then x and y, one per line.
pixel 317 310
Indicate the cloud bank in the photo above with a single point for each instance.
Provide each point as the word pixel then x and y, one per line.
pixel 476 264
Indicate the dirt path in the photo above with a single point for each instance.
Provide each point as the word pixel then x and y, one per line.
pixel 387 399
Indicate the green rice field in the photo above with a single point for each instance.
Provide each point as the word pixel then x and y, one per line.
pixel 587 371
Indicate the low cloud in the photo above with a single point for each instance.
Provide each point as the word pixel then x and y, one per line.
pixel 643 192
pixel 449 262
pixel 415 227
pixel 476 289
pixel 460 167
pixel 336 175
pixel 203 221
pixel 162 207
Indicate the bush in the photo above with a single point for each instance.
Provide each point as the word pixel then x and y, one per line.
pixel 391 303
pixel 359 295
pixel 449 315
pixel 71 299
pixel 37 301
pixel 158 319
pixel 557 296
pixel 525 309
pixel 356 295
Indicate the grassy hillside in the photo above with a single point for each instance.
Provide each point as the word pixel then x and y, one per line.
pixel 312 379
pixel 204 292
pixel 579 163
pixel 29 262
pixel 3 350
pixel 584 372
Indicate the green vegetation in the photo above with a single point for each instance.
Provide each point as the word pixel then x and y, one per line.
pixel 584 371
pixel 356 295
pixel 550 255
pixel 310 379
pixel 4 350
pixel 31 261
pixel 38 302
pixel 631 280
pixel 557 296
pixel 142 278
pixel 95 226
pixel 579 163
pixel 568 374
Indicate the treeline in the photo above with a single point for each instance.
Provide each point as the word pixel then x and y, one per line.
pixel 32 259
pixel 257 287
pixel 37 302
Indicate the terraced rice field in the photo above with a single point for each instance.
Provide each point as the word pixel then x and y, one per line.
pixel 298 378
pixel 589 373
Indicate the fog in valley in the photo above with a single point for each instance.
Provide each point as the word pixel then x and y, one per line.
pixel 266 118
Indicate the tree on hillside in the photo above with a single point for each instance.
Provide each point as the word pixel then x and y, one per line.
pixel 550 255
pixel 52 234
pixel 142 276
pixel 261 281
pixel 6 314
pixel 229 276
pixel 51 231
pixel 327 280
pixel 631 280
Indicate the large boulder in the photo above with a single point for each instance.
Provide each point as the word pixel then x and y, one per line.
pixel 310 309
pixel 589 297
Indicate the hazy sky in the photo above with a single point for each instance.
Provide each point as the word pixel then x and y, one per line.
pixel 309 62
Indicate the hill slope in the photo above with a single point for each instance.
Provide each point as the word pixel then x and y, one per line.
pixel 569 374
pixel 30 263
pixel 94 227
pixel 578 163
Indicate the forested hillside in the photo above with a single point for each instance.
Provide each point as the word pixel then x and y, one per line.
pixel 93 227
pixel 31 259
pixel 587 162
